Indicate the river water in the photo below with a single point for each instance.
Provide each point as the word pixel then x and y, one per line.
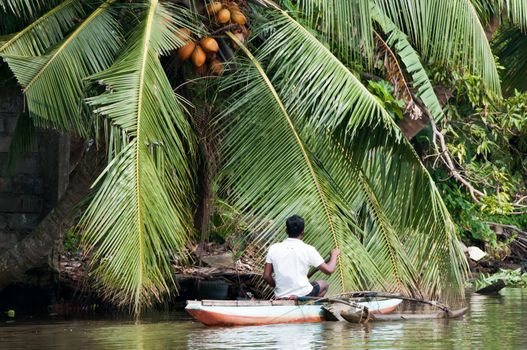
pixel 493 322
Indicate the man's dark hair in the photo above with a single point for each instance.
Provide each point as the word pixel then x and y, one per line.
pixel 294 226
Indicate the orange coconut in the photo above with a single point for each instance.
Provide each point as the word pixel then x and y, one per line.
pixel 186 51
pixel 209 44
pixel 238 17
pixel 198 56
pixel 224 16
pixel 214 7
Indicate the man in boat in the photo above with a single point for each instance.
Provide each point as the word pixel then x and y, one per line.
pixel 290 261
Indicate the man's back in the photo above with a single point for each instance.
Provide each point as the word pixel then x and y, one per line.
pixel 291 260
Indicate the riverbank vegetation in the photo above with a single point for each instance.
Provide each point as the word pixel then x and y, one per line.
pixel 384 123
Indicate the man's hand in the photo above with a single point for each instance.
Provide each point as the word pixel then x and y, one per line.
pixel 329 267
pixel 268 275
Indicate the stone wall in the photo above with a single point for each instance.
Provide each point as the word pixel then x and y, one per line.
pixel 30 192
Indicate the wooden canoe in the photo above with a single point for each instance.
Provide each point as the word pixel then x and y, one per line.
pixel 356 317
pixel 262 312
pixel 493 288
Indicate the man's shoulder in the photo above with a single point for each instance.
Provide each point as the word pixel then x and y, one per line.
pixel 275 246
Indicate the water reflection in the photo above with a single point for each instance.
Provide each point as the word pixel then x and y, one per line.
pixel 289 336
pixel 492 323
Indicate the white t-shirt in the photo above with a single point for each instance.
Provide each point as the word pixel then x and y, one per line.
pixel 291 261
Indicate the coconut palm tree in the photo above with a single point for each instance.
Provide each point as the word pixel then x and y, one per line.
pixel 298 131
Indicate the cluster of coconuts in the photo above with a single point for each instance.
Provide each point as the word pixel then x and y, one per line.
pixel 226 12
pixel 202 52
pixel 199 52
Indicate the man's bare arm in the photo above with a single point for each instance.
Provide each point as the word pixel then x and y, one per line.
pixel 268 275
pixel 329 267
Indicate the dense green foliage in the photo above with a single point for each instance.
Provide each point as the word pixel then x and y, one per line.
pixel 512 278
pixel 487 137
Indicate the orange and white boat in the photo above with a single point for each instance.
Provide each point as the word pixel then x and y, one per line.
pixel 261 312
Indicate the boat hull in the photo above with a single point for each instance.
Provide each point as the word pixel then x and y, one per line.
pixel 243 313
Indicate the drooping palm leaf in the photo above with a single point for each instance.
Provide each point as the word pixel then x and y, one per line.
pixel 410 58
pixel 271 175
pixel 516 11
pixel 396 76
pixel 45 32
pixel 416 211
pixel 486 9
pixel 53 83
pixel 21 6
pixel 344 24
pixel 446 32
pixel 140 216
pixel 510 45
pixel 314 84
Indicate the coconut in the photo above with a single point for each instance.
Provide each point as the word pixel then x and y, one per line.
pixel 214 7
pixel 224 16
pixel 238 17
pixel 198 56
pixel 216 67
pixel 209 44
pixel 186 51
pixel 233 7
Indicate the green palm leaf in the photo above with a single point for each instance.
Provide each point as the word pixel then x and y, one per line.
pixel 21 6
pixel 416 211
pixel 271 174
pixel 344 24
pixel 45 32
pixel 510 45
pixel 53 83
pixel 384 245
pixel 410 58
pixel 315 85
pixel 516 11
pixel 140 216
pixel 446 32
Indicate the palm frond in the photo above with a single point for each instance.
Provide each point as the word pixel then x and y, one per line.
pixel 140 216
pixel 384 245
pixel 344 24
pixel 486 9
pixel 316 86
pixel 271 174
pixel 45 32
pixel 446 32
pixel 410 58
pixel 416 211
pixel 53 83
pixel 510 45
pixel 21 6
pixel 516 12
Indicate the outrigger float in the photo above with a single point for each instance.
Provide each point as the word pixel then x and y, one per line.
pixel 357 307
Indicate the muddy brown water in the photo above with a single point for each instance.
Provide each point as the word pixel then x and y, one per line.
pixel 493 322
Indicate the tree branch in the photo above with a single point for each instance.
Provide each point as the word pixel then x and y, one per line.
pixel 447 160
